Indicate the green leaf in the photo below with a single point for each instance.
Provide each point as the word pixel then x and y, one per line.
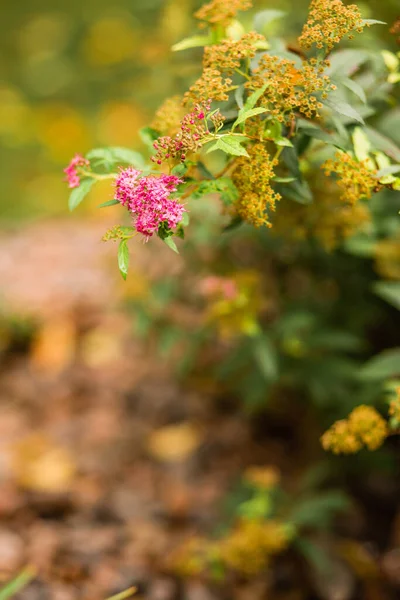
pixel 318 511
pixel 383 365
pixel 78 194
pixel 108 203
pixel 127 156
pixel 361 144
pixel 230 145
pixel 264 17
pixel 372 22
pixel 354 87
pixel 246 114
pixel 179 170
pixel 266 357
pixel 389 170
pixel 223 186
pixel 17 584
pixel 171 244
pixel 323 136
pixel 185 219
pixel 123 258
pixel 346 62
pixel 254 97
pixel 149 136
pixel 195 41
pixel 383 143
pixel 282 141
pixel 344 109
pixel 389 291
pixel 115 154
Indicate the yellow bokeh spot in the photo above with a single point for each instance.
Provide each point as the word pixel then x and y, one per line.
pixel 119 123
pixel 62 130
pixel 110 40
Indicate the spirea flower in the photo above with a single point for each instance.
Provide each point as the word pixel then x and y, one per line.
pixel 252 177
pixel 148 199
pixel 328 22
pixel 72 171
pixel 353 177
pixel 220 12
pixel 364 427
pixel 193 129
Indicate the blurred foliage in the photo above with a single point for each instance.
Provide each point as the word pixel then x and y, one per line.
pixel 92 74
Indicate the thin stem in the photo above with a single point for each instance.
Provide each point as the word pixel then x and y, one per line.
pixel 98 176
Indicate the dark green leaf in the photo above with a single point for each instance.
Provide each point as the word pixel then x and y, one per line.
pixel 389 291
pixel 344 109
pixel 383 365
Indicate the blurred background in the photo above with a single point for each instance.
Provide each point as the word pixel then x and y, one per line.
pixel 107 460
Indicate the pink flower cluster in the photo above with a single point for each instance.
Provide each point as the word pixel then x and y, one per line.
pixel 193 129
pixel 148 199
pixel 72 175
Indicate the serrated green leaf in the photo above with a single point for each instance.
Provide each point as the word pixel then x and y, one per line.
pixel 344 109
pixel 383 365
pixel 127 156
pixel 108 203
pixel 171 244
pixel 254 97
pixel 354 87
pixel 78 194
pixel 195 41
pixel 123 258
pixel 230 145
pixel 246 114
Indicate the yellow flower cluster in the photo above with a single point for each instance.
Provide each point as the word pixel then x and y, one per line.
pixel 220 61
pixel 221 12
pixel 363 427
pixel 327 219
pixel 387 258
pixel 252 177
pixel 354 177
pixel 250 546
pixel 264 478
pixel 290 88
pixel 168 116
pixel 328 22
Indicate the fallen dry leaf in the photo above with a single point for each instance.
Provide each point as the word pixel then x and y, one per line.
pixel 174 443
pixel 54 346
pixel 40 465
